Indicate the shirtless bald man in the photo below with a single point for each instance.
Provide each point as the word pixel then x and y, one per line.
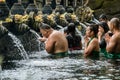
pixel 55 42
pixel 113 43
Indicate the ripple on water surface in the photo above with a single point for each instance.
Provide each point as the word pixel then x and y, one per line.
pixel 38 68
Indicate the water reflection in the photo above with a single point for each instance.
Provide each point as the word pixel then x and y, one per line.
pixel 41 67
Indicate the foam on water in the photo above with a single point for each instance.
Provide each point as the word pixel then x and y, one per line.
pixel 39 68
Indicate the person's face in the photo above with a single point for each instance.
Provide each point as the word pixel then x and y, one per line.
pixel 44 33
pixel 101 29
pixel 88 31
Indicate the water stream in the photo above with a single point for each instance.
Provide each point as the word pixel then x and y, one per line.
pixel 19 46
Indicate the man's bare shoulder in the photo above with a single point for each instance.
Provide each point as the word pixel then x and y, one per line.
pixel 56 33
pixel 115 37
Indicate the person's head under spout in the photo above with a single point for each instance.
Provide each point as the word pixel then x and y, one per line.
pixel 113 43
pixel 55 41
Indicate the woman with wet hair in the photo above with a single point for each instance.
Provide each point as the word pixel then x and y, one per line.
pixel 74 40
pixel 91 43
pixel 102 30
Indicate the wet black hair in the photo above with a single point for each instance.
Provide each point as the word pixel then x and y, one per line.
pixel 71 27
pixel 104 25
pixel 94 28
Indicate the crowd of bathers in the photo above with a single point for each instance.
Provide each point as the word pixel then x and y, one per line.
pixel 102 37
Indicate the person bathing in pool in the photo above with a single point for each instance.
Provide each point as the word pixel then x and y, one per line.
pixel 55 41
pixel 113 43
pixel 74 39
pixel 91 42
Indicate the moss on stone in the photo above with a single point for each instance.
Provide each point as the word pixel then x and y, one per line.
pixel 108 7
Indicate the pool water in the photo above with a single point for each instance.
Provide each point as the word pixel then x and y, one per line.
pixel 74 67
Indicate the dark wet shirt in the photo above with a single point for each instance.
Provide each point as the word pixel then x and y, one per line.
pixel 102 43
pixel 74 42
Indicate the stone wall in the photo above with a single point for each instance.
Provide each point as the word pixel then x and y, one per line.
pixel 109 7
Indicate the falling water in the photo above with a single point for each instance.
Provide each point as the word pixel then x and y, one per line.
pixel 19 46
pixel 94 20
pixel 36 34
pixel 37 39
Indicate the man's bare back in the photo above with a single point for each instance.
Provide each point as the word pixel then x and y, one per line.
pixel 58 41
pixel 116 39
pixel 113 43
pixel 55 41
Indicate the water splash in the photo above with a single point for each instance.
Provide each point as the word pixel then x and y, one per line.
pixel 19 46
pixel 36 34
pixel 61 69
pixel 37 37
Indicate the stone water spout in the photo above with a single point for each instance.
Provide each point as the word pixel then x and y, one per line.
pixel 23 32
pixel 10 46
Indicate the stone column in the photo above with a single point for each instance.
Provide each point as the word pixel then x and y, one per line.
pixel 19 1
pixel 58 2
pixel 48 1
pixel 39 4
pixel 66 2
pixel 75 1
